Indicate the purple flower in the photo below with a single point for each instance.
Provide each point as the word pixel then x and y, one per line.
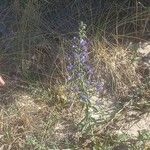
pixel 69 57
pixel 74 46
pixel 69 67
pixel 83 42
pixel 76 56
pixel 89 69
pixel 83 97
pixel 99 86
pixel 69 78
pixel 85 48
pixel 84 45
pixel 74 38
pixel 84 57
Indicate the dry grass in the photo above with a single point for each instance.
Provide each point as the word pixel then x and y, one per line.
pixel 30 122
pixel 115 67
pixel 36 110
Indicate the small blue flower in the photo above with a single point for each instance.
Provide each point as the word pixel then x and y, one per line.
pixel 83 97
pixel 84 57
pixel 69 78
pixel 84 45
pixel 74 46
pixel 85 48
pixel 74 38
pixel 83 42
pixel 70 66
pixel 89 69
pixel 80 68
pixel 76 56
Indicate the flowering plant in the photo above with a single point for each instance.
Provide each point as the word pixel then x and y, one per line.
pixel 80 70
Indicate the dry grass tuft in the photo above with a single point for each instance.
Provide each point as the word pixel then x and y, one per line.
pixel 113 64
